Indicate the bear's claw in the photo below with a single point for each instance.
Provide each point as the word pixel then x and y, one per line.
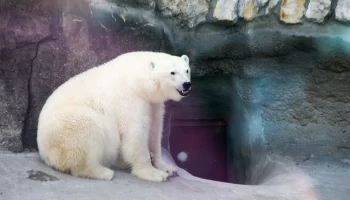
pixel 172 173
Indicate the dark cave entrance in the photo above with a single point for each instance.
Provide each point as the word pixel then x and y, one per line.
pixel 200 139
pixel 199 147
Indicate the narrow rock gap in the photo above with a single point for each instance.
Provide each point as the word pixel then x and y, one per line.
pixel 29 90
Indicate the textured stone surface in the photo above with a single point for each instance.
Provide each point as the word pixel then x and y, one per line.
pixel 226 11
pixel 312 179
pixel 307 110
pixel 241 8
pixel 17 184
pixel 250 10
pixel 292 11
pixel 149 3
pixel 271 5
pixel 317 10
pixel 23 24
pixel 301 107
pixel 15 66
pixel 261 3
pixel 342 11
pixel 191 12
pixel 194 13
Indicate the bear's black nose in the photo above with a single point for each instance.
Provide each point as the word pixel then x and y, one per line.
pixel 186 85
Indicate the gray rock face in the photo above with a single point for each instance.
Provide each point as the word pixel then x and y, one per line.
pixel 191 12
pixel 18 48
pixel 15 66
pixel 342 11
pixel 271 5
pixel 248 10
pixel 226 11
pixel 301 107
pixel 318 9
pixel 292 11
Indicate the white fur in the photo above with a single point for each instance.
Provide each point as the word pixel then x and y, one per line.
pixel 112 115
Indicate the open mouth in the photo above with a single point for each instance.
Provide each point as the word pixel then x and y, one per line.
pixel 184 93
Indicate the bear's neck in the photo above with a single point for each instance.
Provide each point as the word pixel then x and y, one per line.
pixel 152 92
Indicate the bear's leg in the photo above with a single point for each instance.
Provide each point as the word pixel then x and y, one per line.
pixel 76 141
pixel 135 143
pixel 155 139
pixel 96 171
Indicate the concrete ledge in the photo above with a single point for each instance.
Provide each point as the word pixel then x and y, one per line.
pixel 24 176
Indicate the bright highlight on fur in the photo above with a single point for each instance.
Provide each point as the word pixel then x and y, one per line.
pixel 112 116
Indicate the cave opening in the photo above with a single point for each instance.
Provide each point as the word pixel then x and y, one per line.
pixel 199 147
pixel 201 138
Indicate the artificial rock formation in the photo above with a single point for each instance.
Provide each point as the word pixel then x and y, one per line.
pixel 20 36
pixel 250 10
pixel 342 11
pixel 191 12
pixel 286 85
pixel 226 11
pixel 194 13
pixel 318 10
pixel 292 11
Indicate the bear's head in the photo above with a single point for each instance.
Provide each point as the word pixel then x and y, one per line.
pixel 172 77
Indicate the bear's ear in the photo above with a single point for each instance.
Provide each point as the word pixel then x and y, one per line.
pixel 186 59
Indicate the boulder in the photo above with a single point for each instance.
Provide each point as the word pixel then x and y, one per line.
pixel 342 11
pixel 318 10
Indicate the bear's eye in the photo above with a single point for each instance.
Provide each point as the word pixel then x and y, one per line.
pixel 172 73
pixel 186 71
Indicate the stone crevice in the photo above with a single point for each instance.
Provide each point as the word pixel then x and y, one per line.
pixel 29 88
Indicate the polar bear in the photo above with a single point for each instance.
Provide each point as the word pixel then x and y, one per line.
pixel 113 112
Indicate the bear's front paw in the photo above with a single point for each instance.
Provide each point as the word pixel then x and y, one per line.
pixel 150 174
pixel 169 169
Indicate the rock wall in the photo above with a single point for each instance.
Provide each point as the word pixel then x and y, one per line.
pixel 288 62
pixel 44 43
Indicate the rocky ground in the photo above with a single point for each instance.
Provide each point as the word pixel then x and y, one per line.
pixel 24 177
